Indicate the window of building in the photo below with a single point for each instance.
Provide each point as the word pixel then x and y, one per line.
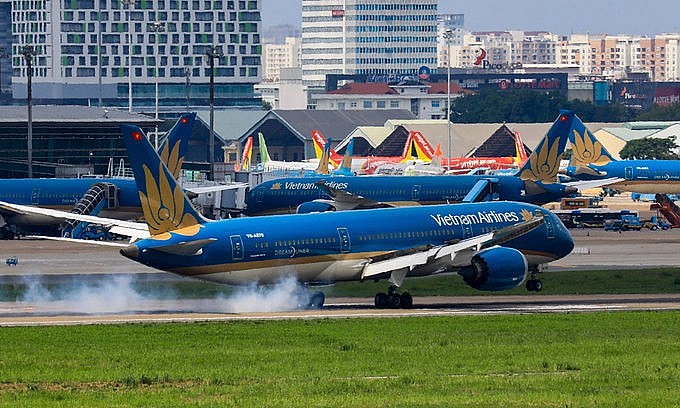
pixel 368 104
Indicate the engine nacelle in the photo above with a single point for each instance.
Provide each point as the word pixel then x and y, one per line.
pixel 496 268
pixel 314 206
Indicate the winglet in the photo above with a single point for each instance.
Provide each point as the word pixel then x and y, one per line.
pixel 586 149
pixel 165 206
pixel 544 162
pixel 175 147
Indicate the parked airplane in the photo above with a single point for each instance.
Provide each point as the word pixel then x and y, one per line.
pixel 591 161
pixel 534 183
pixel 105 197
pixel 493 246
pixel 368 164
pixel 308 167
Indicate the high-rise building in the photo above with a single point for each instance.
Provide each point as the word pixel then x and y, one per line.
pixel 375 37
pixel 86 50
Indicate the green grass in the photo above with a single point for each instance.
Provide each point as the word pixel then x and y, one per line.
pixel 555 360
pixel 554 283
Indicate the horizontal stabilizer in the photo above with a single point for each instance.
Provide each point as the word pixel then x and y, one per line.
pixel 187 248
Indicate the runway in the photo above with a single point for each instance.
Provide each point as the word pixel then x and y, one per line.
pixel 198 310
pixel 62 264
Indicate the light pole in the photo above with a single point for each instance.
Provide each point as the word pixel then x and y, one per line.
pixel 28 53
pixel 213 52
pixel 157 27
pixel 448 35
pixel 128 4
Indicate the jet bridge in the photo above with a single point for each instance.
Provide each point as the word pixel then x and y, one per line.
pixel 484 190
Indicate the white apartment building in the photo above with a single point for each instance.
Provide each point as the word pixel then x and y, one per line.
pixel 277 56
pixel 95 48
pixel 374 37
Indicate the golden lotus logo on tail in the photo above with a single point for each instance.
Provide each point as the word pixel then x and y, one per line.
pixel 543 163
pixel 172 159
pixel 587 150
pixel 164 207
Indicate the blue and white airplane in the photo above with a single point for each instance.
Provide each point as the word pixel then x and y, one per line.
pixel 591 161
pixel 536 182
pixel 493 246
pixel 55 196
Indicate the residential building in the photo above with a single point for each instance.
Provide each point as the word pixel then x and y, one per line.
pixel 277 56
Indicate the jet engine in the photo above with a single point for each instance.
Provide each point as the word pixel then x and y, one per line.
pixel 314 206
pixel 496 268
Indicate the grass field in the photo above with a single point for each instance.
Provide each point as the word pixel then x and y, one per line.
pixel 554 360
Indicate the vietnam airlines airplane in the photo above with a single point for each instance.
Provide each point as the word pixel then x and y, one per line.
pixel 534 183
pixel 493 246
pixel 121 200
pixel 591 161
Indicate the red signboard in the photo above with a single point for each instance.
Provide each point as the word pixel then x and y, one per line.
pixel 338 13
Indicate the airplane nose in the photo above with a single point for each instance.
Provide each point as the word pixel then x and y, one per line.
pixel 131 251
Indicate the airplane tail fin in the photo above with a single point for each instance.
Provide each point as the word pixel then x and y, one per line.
pixel 520 152
pixel 322 168
pixel 174 148
pixel 345 168
pixel 247 156
pixel 319 146
pixel 437 160
pixel 166 207
pixel 586 149
pixel 544 162
pixel 423 147
pixel 264 153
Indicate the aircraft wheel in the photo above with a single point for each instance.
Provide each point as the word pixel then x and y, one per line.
pixel 393 300
pixel 406 300
pixel 317 300
pixel 380 300
pixel 538 285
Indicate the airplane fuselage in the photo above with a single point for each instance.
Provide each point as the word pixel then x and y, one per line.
pixel 641 176
pixel 335 246
pixel 284 195
pixel 63 194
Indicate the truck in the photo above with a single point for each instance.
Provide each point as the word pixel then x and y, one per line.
pixel 627 222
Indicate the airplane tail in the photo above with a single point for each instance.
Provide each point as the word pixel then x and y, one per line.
pixel 438 160
pixel 319 146
pixel 166 207
pixel 322 168
pixel 544 162
pixel 264 153
pixel 345 167
pixel 247 156
pixel 174 148
pixel 586 149
pixel 424 149
pixel 520 152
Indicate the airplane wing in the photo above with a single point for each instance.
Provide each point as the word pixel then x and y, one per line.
pixel 455 254
pixel 135 230
pixel 79 241
pixel 344 200
pixel 215 188
pixel 585 185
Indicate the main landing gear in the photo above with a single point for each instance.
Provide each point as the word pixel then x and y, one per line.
pixel 534 284
pixel 393 300
pixel 316 300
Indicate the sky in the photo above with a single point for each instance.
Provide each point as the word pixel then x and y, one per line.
pixel 558 17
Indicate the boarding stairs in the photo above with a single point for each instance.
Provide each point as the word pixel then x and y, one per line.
pixel 669 209
pixel 99 196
